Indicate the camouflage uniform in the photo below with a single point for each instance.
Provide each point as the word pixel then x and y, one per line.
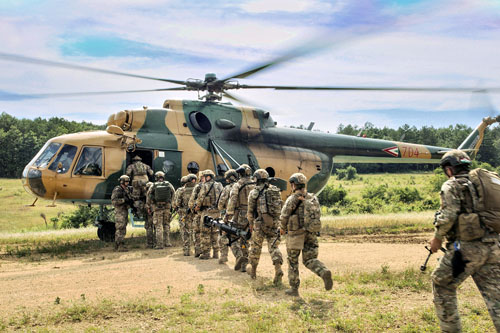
pixel 264 226
pixel 299 239
pixel 148 224
pixel 161 216
pixel 139 174
pixel 119 201
pixel 482 258
pixel 237 209
pixel 222 205
pixel 207 204
pixel 196 219
pixel 185 216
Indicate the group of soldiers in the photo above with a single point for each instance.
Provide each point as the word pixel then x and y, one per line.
pixel 248 202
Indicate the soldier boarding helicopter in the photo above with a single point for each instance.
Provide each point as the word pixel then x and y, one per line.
pixel 206 134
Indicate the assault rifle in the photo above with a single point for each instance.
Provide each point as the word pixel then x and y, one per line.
pixel 424 266
pixel 228 229
pixel 129 201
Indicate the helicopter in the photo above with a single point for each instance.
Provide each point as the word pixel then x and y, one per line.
pixel 188 135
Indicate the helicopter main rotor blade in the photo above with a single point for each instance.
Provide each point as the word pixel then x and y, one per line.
pixel 36 61
pixel 403 89
pixel 85 93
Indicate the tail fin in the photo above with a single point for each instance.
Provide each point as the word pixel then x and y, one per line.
pixel 475 139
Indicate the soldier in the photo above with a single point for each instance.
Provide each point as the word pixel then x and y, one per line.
pixel 299 239
pixel 206 205
pixel 186 223
pixel 121 201
pixel 473 251
pixel 264 207
pixel 160 197
pixel 148 222
pixel 237 210
pixel 177 207
pixel 196 217
pixel 139 173
pixel 231 177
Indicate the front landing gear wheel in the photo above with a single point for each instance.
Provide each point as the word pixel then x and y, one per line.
pixel 106 231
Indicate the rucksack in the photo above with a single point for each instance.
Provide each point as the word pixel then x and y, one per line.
pixel 273 201
pixel 312 213
pixel 163 192
pixel 487 185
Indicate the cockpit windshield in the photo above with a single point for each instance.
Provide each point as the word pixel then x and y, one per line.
pixel 65 157
pixel 47 153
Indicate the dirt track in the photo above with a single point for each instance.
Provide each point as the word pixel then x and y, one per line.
pixel 150 273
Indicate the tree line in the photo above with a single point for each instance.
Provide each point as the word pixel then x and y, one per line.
pixel 21 139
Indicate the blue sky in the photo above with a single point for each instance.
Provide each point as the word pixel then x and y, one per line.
pixel 359 43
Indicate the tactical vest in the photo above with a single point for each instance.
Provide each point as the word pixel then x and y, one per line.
pixel 312 213
pixel 163 192
pixel 139 169
pixel 186 195
pixel 487 186
pixel 243 193
pixel 210 199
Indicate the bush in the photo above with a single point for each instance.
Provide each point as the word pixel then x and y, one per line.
pixel 404 194
pixel 331 195
pixel 377 192
pixel 349 173
pixel 81 217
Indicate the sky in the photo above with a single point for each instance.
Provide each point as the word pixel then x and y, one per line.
pixel 361 43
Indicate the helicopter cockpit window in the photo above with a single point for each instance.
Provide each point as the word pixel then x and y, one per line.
pixel 90 162
pixel 65 157
pixel 200 122
pixel 47 155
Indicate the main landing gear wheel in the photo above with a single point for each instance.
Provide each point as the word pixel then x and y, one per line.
pixel 106 231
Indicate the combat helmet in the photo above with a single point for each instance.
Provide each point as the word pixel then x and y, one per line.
pixel 261 175
pixel 183 180
pixel 231 175
pixel 209 172
pixel 190 178
pixel 298 179
pixel 193 167
pixel 124 178
pixel 137 158
pixel 244 170
pixel 159 174
pixel 455 158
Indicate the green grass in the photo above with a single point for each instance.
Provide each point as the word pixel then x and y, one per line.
pixel 386 304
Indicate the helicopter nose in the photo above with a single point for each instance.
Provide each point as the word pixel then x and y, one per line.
pixel 32 181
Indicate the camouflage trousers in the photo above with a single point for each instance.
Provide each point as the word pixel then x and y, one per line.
pixel 121 220
pixel 484 267
pixel 240 247
pixel 185 226
pixel 209 237
pixel 161 221
pixel 196 234
pixel 223 246
pixel 309 258
pixel 150 230
pixel 258 236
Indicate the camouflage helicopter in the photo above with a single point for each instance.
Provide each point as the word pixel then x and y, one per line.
pixel 191 135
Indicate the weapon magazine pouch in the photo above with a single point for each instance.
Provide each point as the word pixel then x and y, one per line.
pixel 163 192
pixel 295 239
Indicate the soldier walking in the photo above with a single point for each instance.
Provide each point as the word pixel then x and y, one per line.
pixel 121 200
pixel 177 209
pixel 206 205
pixel 139 174
pixel 231 177
pixel 196 217
pixel 299 239
pixel 160 197
pixel 473 246
pixel 264 207
pixel 148 221
pixel 237 211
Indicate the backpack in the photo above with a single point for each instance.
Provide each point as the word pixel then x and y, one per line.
pixel 273 201
pixel 312 213
pixel 487 185
pixel 163 192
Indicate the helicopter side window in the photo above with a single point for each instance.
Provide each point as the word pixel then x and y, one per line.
pixel 47 155
pixel 65 157
pixel 90 162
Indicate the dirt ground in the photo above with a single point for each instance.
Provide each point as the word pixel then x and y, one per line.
pixel 151 273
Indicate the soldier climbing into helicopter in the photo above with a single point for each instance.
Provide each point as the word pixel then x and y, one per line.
pixel 160 197
pixel 139 173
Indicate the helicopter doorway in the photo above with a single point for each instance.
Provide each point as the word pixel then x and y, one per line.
pixel 145 155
